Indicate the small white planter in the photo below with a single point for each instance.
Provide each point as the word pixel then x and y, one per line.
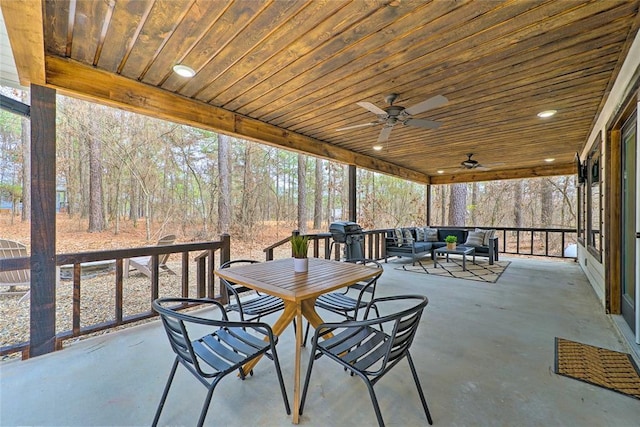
pixel 301 265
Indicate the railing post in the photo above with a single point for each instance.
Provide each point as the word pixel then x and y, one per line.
pixel 225 256
pixel 294 233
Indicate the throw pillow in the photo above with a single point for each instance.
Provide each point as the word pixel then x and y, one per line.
pixel 398 233
pixel 475 238
pixel 484 232
pixel 488 235
pixel 430 234
pixel 419 234
pixel 408 238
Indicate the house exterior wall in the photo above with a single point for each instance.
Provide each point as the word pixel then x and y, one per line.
pixel 596 270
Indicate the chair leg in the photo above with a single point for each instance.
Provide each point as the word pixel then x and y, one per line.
pixel 420 392
pixel 374 399
pixel 165 393
pixel 306 335
pixel 305 388
pixel 207 401
pixel 276 361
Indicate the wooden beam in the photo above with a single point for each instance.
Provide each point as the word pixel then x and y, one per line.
pixel 85 82
pixel 613 199
pixel 534 172
pixel 23 20
pixel 43 221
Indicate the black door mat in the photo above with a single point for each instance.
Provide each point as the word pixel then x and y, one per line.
pixel 598 366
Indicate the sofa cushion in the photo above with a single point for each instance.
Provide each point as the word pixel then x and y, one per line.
pixel 431 234
pixel 407 236
pixel 419 234
pixel 422 246
pixel 475 239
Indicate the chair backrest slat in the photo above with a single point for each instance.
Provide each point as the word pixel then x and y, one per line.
pixel 11 249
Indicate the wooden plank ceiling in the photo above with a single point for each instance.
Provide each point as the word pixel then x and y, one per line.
pixel 291 72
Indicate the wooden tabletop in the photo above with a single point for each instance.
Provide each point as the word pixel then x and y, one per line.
pixel 278 278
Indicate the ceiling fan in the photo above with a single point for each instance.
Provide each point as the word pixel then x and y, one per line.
pixel 395 114
pixel 470 163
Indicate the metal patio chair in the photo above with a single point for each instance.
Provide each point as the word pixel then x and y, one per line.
pixel 364 349
pixel 249 309
pixel 346 305
pixel 215 355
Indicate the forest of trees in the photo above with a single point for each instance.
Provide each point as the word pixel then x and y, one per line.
pixel 118 166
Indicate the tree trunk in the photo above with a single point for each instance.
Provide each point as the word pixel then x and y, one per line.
pixel 443 206
pixel 517 200
pixel 474 203
pixel 546 203
pixel 26 164
pixel 96 213
pixel 302 194
pixel 458 205
pixel 224 199
pixel 317 205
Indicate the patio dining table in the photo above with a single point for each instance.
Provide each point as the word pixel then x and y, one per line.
pixel 299 292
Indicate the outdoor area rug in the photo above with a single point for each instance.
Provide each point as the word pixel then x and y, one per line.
pixel 481 271
pixel 598 366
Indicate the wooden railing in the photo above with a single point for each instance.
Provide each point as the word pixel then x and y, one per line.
pixel 545 242
pixel 205 262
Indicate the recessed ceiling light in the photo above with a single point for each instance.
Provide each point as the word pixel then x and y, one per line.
pixel 546 113
pixel 377 147
pixel 549 160
pixel 184 71
pixel 440 171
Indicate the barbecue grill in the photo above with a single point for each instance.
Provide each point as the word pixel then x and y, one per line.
pixel 349 233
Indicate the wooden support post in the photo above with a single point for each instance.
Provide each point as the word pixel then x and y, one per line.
pixel 352 193
pixel 43 221
pixel 428 208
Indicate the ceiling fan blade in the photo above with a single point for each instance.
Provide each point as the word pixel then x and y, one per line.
pixel 375 110
pixel 358 126
pixel 422 123
pixel 385 133
pixel 434 102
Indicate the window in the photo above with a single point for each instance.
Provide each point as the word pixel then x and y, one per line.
pixel 594 201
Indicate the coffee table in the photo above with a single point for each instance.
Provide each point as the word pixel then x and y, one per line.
pixel 459 250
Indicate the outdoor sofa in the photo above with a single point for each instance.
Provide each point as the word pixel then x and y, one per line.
pixel 417 242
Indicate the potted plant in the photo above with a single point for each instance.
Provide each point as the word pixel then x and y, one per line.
pixel 299 248
pixel 451 242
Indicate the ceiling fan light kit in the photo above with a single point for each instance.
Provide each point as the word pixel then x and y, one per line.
pixel 395 114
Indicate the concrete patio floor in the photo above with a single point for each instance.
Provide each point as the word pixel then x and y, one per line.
pixel 484 353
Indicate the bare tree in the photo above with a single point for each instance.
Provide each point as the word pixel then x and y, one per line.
pixel 517 203
pixel 317 197
pixel 302 193
pixel 224 199
pixel 474 202
pixel 96 213
pixel 546 203
pixel 26 164
pixel 458 204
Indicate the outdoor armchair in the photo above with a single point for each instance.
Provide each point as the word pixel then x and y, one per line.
pixel 367 351
pixel 213 356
